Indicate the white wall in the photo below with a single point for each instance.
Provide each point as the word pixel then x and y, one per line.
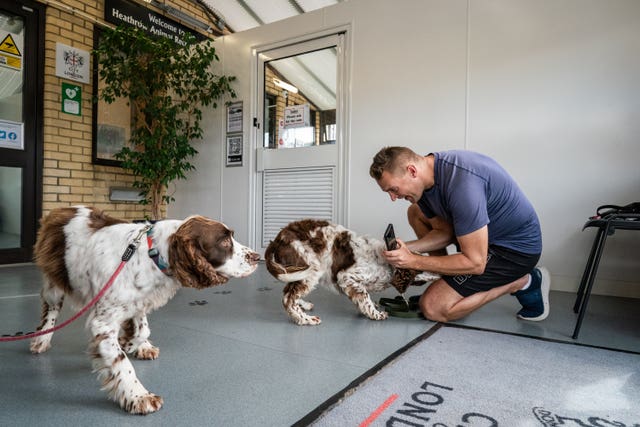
pixel 549 88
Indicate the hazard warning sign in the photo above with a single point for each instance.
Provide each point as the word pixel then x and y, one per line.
pixel 9 46
pixel 10 55
pixel 10 61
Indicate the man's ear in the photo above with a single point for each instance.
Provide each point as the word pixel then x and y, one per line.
pixel 413 171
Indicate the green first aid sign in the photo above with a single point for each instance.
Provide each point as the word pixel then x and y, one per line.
pixel 71 99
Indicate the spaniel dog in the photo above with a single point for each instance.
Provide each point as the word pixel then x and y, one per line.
pixel 79 248
pixel 309 253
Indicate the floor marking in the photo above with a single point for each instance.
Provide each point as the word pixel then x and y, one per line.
pixel 375 414
pixel 21 296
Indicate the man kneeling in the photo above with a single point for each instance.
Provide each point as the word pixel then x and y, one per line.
pixel 465 198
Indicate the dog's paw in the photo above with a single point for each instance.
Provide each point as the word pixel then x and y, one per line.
pixel 125 344
pixel 143 404
pixel 309 320
pixel 306 306
pixel 426 276
pixel 39 345
pixel 377 315
pixel 147 351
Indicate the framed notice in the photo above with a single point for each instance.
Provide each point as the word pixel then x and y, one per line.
pixel 111 122
pixel 234 117
pixel 234 150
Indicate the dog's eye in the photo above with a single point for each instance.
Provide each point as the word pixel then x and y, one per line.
pixel 225 242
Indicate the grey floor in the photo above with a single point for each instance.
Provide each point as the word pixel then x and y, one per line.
pixel 237 360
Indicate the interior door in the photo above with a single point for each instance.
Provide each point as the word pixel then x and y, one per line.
pixel 301 147
pixel 21 29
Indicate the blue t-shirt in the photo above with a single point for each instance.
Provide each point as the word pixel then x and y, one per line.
pixel 472 190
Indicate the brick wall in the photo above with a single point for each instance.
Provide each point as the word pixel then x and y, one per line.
pixel 69 177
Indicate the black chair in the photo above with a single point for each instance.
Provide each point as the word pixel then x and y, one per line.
pixel 606 223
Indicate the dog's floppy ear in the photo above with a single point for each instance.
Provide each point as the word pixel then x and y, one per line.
pixel 188 263
pixel 402 278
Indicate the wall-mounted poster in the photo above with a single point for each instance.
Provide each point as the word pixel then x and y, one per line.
pixel 234 117
pixel 234 150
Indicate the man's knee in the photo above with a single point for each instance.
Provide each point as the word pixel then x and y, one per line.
pixel 418 221
pixel 414 213
pixel 431 310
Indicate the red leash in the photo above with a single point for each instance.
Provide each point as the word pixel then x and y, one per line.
pixel 128 253
pixel 78 314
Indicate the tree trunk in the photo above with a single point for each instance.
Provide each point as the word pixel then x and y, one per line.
pixel 156 201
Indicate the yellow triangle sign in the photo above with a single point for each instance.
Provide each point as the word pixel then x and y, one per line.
pixel 9 46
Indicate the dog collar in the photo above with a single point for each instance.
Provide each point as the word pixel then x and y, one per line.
pixel 154 254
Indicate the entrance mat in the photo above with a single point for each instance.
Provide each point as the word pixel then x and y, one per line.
pixel 463 377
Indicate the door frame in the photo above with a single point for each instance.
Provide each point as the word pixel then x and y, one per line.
pixel 343 96
pixel 34 17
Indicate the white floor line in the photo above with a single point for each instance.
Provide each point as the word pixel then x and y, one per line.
pixel 21 296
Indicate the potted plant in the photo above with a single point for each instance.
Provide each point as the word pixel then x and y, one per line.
pixel 166 85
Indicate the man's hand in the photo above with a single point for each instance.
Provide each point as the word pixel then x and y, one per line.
pixel 401 257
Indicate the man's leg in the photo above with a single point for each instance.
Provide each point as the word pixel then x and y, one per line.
pixel 421 225
pixel 441 303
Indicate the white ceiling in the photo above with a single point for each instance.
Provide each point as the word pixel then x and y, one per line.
pixel 313 74
pixel 240 15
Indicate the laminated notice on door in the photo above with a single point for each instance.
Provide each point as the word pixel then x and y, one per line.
pixel 11 135
pixel 296 116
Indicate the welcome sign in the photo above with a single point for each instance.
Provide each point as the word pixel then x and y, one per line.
pixel 124 12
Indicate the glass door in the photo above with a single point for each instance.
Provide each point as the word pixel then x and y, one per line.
pixel 20 141
pixel 301 113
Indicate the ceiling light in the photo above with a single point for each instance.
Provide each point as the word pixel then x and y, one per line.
pixel 286 86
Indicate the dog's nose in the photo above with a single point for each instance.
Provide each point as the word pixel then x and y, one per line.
pixel 253 257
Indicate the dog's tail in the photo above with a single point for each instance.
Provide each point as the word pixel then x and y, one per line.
pixel 285 273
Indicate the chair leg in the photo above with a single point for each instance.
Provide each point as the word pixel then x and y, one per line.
pixel 602 236
pixel 597 241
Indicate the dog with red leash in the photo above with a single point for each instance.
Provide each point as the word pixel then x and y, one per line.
pixel 78 248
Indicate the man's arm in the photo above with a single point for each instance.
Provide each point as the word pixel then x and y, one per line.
pixel 471 260
pixel 440 236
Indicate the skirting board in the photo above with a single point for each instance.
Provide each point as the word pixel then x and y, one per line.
pixel 602 286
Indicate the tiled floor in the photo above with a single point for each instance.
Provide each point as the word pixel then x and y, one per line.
pixel 237 360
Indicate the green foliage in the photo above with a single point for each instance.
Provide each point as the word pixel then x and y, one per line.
pixel 166 85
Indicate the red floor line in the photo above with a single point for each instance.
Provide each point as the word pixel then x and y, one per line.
pixel 375 414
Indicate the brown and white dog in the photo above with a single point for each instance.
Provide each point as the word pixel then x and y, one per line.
pixel 79 248
pixel 309 253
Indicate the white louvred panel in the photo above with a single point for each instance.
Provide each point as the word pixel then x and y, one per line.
pixel 291 195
